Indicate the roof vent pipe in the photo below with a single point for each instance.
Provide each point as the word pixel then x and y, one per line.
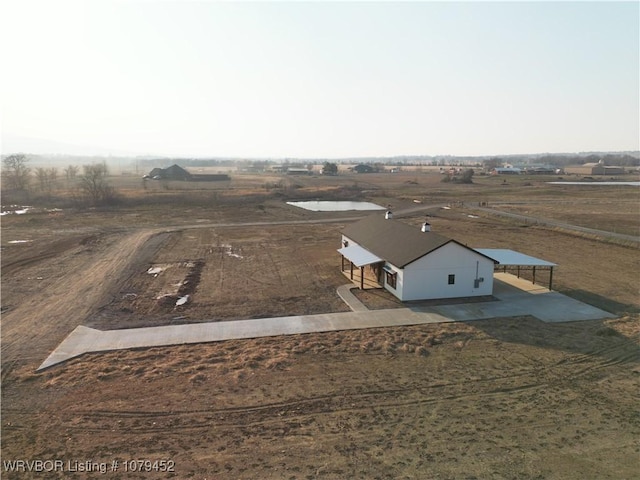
pixel 426 227
pixel 388 215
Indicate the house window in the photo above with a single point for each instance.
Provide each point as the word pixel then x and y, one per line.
pixel 391 279
pixel 452 279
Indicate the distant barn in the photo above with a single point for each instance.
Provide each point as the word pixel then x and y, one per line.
pixel 363 168
pixel 177 173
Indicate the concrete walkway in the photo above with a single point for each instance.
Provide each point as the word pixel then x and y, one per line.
pixel 344 292
pixel 511 301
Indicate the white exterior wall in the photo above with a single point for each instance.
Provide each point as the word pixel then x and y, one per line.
pixel 427 277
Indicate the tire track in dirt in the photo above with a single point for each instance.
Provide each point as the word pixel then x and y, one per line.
pixel 299 410
pixel 305 410
pixel 593 362
pixel 42 322
pixel 46 252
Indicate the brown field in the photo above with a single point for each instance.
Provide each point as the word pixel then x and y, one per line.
pixel 502 398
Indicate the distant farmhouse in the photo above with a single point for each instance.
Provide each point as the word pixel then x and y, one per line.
pixel 290 170
pixel 541 170
pixel 177 173
pixel 298 171
pixel 506 171
pixel 418 264
pixel 363 168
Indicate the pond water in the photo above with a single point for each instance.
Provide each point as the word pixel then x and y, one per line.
pixel 335 206
pixel 633 184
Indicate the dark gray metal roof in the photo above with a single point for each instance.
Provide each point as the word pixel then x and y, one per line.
pixel 396 242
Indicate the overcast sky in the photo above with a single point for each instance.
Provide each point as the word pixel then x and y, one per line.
pixel 323 79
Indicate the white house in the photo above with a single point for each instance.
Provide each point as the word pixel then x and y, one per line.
pixel 413 263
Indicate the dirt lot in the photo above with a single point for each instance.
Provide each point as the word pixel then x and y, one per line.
pixel 505 398
pixel 230 274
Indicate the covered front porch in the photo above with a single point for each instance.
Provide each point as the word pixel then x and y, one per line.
pixel 362 267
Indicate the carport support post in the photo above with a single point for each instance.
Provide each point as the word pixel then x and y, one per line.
pixel 550 278
pixel 518 271
pixel 534 274
pixel 362 278
pixel 351 268
pixel 342 263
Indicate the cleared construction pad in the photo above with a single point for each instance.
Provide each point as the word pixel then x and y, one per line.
pixel 515 297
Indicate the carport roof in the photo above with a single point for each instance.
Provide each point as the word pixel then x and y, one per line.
pixel 359 256
pixel 506 257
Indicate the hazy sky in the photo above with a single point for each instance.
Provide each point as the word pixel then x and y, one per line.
pixel 323 79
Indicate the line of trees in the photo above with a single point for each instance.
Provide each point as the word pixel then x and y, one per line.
pixel 93 186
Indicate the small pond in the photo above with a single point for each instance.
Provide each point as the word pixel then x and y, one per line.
pixel 335 206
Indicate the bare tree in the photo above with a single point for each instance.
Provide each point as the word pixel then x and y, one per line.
pixel 94 185
pixel 42 176
pixel 16 171
pixel 53 175
pixel 46 178
pixel 71 172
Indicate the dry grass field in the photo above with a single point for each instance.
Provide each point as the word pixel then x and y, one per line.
pixel 501 398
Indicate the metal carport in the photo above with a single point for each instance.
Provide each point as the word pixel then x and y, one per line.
pixel 511 258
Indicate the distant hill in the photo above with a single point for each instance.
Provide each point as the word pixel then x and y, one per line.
pixel 40 146
pixel 55 153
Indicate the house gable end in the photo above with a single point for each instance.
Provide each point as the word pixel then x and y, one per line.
pixel 454 243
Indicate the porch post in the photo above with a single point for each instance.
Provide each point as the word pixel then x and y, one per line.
pixel 362 278
pixel 351 267
pixel 550 278
pixel 534 274
pixel 342 263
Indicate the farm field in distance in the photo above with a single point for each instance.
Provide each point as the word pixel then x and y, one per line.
pixel 500 398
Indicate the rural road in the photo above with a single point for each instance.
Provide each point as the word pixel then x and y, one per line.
pixel 555 223
pixel 405 212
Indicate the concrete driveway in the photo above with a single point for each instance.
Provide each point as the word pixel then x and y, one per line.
pixel 514 297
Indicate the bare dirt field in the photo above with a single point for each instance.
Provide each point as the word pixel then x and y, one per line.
pixel 501 398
